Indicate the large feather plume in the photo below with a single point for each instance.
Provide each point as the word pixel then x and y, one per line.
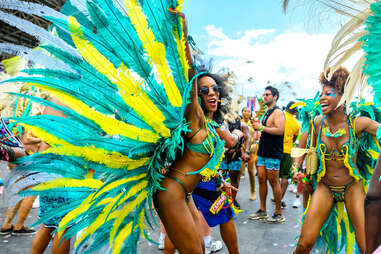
pixel 126 85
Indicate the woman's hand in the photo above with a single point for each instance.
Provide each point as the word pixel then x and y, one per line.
pixel 183 21
pixel 227 187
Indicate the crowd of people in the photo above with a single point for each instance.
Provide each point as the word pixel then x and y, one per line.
pixel 192 175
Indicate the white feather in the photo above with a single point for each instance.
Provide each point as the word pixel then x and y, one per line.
pixel 38 32
pixel 36 56
pixel 31 8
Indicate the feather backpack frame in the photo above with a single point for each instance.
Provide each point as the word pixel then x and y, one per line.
pixel 127 87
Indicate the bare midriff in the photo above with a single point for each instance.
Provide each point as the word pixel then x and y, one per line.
pixel 337 173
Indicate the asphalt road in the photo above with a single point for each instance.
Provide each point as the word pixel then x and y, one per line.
pixel 254 236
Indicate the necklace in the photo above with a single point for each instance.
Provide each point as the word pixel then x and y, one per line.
pixel 328 133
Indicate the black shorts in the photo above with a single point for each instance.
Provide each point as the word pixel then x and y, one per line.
pixel 285 166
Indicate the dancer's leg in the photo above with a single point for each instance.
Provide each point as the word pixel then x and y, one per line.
pixel 354 203
pixel 229 236
pixel 318 212
pixel 169 248
pixel 41 240
pixel 26 205
pixel 180 222
pixel 60 246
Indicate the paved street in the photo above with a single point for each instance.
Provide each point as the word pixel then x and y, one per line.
pixel 254 236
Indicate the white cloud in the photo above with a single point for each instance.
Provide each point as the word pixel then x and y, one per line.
pixel 263 55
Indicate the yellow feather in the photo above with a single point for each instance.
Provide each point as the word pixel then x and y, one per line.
pixel 69 183
pixel 373 153
pixel 85 205
pixel 117 183
pixel 141 221
pixel 181 50
pixel 110 159
pixel 155 51
pixel 179 6
pixel 111 202
pixel 129 88
pixel 350 235
pixel 100 220
pixel 45 136
pixel 120 214
pixel 108 124
pixel 296 104
pixel 125 232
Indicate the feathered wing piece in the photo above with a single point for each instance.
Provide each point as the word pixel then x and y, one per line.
pixel 127 88
pixel 368 146
pixel 349 42
pixel 372 51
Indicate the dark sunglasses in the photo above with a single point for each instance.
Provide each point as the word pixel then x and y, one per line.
pixel 205 90
pixel 267 94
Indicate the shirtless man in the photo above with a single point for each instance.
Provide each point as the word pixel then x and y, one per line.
pixel 270 153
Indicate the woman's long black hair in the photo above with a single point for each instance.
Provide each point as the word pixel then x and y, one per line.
pixel 223 105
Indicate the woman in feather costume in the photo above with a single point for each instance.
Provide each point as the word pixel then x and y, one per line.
pixel 132 107
pixel 181 219
pixel 339 180
pixel 359 37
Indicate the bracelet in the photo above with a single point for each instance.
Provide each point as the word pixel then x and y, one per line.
pixel 261 128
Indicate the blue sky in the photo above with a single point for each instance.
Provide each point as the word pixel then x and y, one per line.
pixel 260 43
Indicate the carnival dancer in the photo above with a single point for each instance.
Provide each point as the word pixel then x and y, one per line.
pixel 175 205
pixel 269 156
pixel 373 211
pixel 234 155
pixel 134 118
pixel 291 132
pixel 339 181
pixel 248 118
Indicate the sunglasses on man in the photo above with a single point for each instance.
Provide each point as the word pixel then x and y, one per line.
pixel 205 90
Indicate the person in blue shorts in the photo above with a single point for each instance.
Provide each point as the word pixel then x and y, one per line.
pixel 205 195
pixel 270 153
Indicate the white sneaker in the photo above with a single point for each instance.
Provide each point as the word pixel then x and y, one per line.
pixel 214 247
pixel 161 244
pixel 36 203
pixel 296 203
pixel 292 188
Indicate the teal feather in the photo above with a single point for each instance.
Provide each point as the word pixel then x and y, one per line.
pixel 97 41
pixel 161 23
pixel 125 49
pixel 372 49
